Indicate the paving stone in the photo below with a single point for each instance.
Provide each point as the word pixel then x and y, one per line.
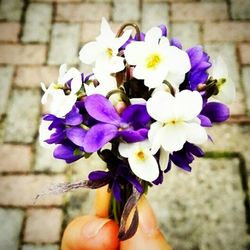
pixel 37 23
pixel 188 33
pixel 22 54
pixel 32 76
pixel 246 81
pixel 199 11
pixel 228 52
pixel 22 118
pixel 125 11
pixel 64 44
pixel 42 247
pixel 45 161
pixel 244 50
pixel 10 228
pixel 6 74
pixel 9 32
pixel 203 209
pixel 82 12
pixel 239 31
pixel 43 225
pixel 11 10
pixel 21 190
pixel 15 158
pixel 154 14
pixel 240 9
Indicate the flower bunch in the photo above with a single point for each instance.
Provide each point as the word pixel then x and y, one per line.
pixel 144 108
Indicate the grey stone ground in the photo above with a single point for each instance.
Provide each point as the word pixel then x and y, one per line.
pixel 207 209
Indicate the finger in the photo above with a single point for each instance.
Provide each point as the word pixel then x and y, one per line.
pixel 102 201
pixel 90 232
pixel 148 235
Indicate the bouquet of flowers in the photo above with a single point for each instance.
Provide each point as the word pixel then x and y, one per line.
pixel 144 108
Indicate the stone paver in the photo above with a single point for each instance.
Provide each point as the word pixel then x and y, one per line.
pixel 11 221
pixel 21 190
pixel 15 158
pixel 41 247
pixel 189 32
pixel 22 54
pixel 240 9
pixel 43 225
pixel 246 81
pixel 64 44
pixel 202 209
pixel 125 11
pixel 82 12
pixel 154 14
pixel 11 10
pixel 23 114
pixel 31 77
pixel 37 23
pixel 6 75
pixel 208 11
pixel 244 50
pixel 9 32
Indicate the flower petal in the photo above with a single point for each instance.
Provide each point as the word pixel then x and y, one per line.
pixel 101 109
pixel 154 136
pixel 153 36
pixel 74 117
pixel 98 136
pixel 134 52
pixel 76 135
pixel 134 135
pixel 195 133
pixel 89 52
pixel 164 159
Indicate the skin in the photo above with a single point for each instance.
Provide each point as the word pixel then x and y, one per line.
pixel 98 232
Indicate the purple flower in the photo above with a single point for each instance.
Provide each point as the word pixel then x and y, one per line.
pixel 131 126
pixel 199 66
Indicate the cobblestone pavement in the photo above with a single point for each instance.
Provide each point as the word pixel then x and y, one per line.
pixel 207 209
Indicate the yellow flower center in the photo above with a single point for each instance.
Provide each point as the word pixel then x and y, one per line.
pixel 152 61
pixel 109 52
pixel 140 155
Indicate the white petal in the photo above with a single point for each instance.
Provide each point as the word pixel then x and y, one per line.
pixel 178 60
pixel 153 35
pixel 106 29
pixel 154 136
pixel 140 72
pixel 62 71
pixel 164 158
pixel 155 78
pixel 164 42
pixel 146 169
pixel 196 133
pixel 175 78
pixel 160 106
pixel 90 51
pixel 116 64
pixel 188 104
pixel 126 149
pixel 119 41
pixel 173 137
pixel 219 69
pixel 134 53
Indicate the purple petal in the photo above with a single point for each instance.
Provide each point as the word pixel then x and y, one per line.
pixel 101 109
pixel 73 118
pixel 195 54
pixel 136 114
pixel 175 42
pixel 180 162
pixel 216 112
pixel 159 179
pixel 98 136
pixel 56 137
pixel 205 121
pixel 76 135
pixel 163 29
pixel 134 136
pixel 116 190
pixel 66 152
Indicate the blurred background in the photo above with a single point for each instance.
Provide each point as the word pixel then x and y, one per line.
pixel 206 209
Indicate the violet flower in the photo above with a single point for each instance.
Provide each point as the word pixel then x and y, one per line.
pixel 132 126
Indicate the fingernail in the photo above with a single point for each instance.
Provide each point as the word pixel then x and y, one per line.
pixel 147 218
pixel 92 228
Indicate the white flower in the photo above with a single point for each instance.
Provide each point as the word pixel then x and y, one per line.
pixel 155 60
pixel 45 133
pixel 59 102
pixel 225 84
pixel 176 120
pixel 141 161
pixel 103 52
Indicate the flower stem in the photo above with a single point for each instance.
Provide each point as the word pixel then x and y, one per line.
pixel 135 26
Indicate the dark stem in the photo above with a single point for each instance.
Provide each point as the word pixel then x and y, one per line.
pixel 135 26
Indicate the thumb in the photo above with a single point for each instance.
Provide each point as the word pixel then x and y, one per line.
pixel 148 236
pixel 90 232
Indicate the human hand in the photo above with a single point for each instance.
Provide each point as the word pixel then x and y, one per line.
pixel 98 232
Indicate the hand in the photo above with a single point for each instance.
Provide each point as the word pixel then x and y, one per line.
pixel 100 233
